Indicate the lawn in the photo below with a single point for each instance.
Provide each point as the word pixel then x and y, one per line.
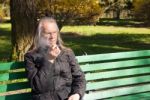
pixel 5 41
pixel 104 39
pixel 90 39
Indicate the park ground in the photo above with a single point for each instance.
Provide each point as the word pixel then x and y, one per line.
pixel 110 36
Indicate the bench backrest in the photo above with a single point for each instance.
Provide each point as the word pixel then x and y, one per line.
pixel 112 76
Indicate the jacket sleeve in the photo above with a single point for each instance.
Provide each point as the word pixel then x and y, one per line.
pixel 35 75
pixel 79 82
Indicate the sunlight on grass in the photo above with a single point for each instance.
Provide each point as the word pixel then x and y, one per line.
pixel 92 30
pixel 5 26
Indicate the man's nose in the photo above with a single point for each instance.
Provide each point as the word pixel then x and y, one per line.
pixel 50 36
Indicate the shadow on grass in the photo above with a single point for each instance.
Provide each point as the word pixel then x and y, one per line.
pixel 122 22
pixel 106 43
pixel 4 32
pixel 5 44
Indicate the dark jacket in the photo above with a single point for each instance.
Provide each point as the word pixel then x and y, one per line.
pixel 61 78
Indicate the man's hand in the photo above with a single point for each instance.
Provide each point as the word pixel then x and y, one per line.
pixel 74 97
pixel 54 51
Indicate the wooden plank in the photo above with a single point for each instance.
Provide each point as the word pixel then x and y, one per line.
pixel 117 92
pixel 118 64
pixel 3 88
pixel 24 96
pixel 4 77
pixel 27 90
pixel 117 73
pixel 139 96
pixel 117 82
pixel 111 56
pixel 14 86
pixel 2 98
pixel 11 65
pixel 11 76
pixel 5 66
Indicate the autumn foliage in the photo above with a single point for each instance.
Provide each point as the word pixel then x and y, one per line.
pixel 141 10
pixel 71 11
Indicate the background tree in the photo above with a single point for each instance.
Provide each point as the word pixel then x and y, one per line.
pixel 1 13
pixel 116 7
pixel 141 11
pixel 23 20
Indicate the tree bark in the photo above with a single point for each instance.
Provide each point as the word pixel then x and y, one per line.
pixel 23 20
pixel 118 14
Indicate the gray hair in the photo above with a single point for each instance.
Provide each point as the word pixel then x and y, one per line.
pixel 38 36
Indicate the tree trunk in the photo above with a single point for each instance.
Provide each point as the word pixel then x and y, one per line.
pixel 118 14
pixel 23 20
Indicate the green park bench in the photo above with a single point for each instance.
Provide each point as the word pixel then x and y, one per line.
pixel 110 76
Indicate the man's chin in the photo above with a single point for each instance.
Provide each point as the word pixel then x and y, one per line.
pixel 52 44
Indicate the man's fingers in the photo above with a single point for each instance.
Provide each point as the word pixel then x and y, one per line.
pixel 55 51
pixel 70 98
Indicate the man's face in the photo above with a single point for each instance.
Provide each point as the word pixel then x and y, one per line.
pixel 50 33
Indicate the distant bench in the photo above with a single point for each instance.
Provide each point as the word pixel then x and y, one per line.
pixel 111 76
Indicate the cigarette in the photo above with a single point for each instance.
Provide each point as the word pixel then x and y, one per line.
pixel 54 46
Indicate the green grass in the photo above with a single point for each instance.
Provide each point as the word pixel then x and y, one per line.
pixel 104 39
pixel 92 30
pixel 121 22
pixel 5 41
pixel 90 39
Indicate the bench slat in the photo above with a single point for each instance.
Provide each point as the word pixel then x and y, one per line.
pixel 117 92
pixel 14 86
pixel 11 76
pixel 89 76
pixel 6 66
pixel 111 65
pixel 111 56
pixel 11 65
pixel 117 73
pixel 141 96
pixel 4 77
pixel 24 96
pixel 117 82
